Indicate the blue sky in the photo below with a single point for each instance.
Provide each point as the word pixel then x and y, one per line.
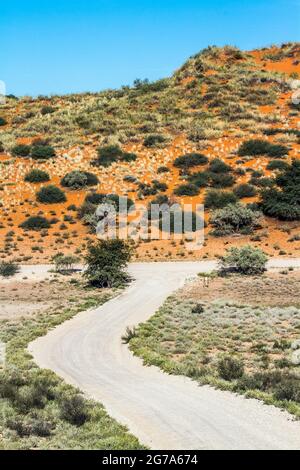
pixel 72 46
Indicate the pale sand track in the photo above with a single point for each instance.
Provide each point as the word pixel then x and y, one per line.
pixel 164 412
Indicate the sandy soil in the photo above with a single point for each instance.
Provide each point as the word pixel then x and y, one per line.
pixel 165 412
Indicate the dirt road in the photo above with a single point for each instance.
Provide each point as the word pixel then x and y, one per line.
pixel 164 412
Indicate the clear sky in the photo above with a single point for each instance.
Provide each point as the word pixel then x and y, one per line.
pixel 74 45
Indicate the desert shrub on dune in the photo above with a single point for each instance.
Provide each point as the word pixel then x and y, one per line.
pixel 3 121
pixel 187 189
pixel 255 147
pixel 218 166
pixel 244 190
pixel 36 223
pixel 221 180
pixel 277 165
pixel 42 152
pixel 153 140
pixel 199 179
pixel 21 150
pixel 283 200
pixel 215 199
pixel 37 176
pixel 190 160
pixel 51 195
pixel 79 179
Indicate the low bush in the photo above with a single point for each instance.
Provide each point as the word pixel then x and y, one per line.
pixel 187 189
pixel 215 199
pixel 221 180
pixel 37 176
pixel 74 180
pixel 234 218
pixel 277 165
pixel 21 150
pixel 47 110
pixel 255 147
pixel 35 223
pixel 244 190
pixel 3 121
pixel 199 179
pixel 73 409
pixel 218 166
pixel 42 152
pixel 283 201
pixel 153 140
pixel 8 269
pixel 190 160
pixel 51 195
pixel 230 368
pixel 246 260
pixel 108 155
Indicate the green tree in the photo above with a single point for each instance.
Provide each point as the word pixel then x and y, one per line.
pixel 106 263
pixel 244 260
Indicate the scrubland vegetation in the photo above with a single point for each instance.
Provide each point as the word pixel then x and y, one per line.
pixel 237 334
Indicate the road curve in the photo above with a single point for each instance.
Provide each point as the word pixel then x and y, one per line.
pixel 164 412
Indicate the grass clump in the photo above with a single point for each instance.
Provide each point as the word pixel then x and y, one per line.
pixel 215 199
pixel 8 269
pixel 190 160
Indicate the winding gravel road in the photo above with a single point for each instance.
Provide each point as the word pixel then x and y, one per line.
pixel 164 412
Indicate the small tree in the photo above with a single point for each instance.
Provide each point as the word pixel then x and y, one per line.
pixel 8 269
pixel 106 261
pixel 244 260
pixel 64 263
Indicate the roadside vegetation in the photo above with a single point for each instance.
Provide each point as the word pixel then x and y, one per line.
pixel 37 409
pixel 237 334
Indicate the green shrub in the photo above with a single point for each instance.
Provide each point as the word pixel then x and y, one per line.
pixel 234 218
pixel 163 169
pixel 51 195
pixel 154 140
pixel 199 179
pixel 108 155
pixel 106 261
pixel 283 202
pixel 21 150
pixel 74 180
pixel 3 121
pixel 37 176
pixel 230 368
pixel 215 199
pixel 47 110
pixel 8 269
pixel 187 189
pixel 277 165
pixel 255 147
pixel 218 166
pixel 190 160
pixel 35 223
pixel 73 409
pixel 159 186
pixel 246 260
pixel 244 190
pixel 221 180
pixel 42 152
pixel 128 157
